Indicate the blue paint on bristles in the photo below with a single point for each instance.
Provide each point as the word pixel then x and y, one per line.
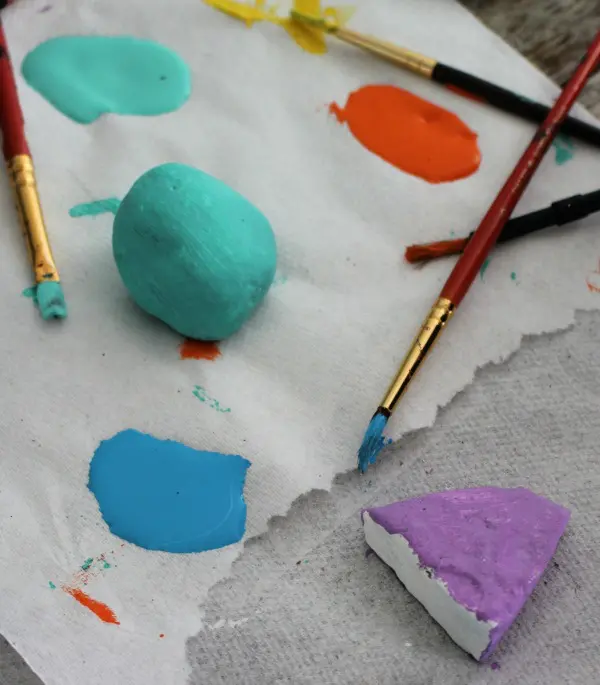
pixel 51 300
pixel 373 442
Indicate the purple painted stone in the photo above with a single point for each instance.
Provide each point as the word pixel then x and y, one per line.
pixel 489 545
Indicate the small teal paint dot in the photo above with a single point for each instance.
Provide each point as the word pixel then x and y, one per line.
pixel 106 564
pixel 563 149
pixel 452 234
pixel 87 563
pixel 513 275
pixel 484 267
pixel 51 585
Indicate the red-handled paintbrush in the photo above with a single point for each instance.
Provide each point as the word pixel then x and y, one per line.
pixel 49 293
pixel 475 253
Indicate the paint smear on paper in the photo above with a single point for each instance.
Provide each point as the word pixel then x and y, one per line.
pixel 199 349
pixel 410 133
pixel 110 205
pixel 204 397
pixel 87 76
pixel 593 280
pixel 564 149
pixel 484 267
pixel 513 275
pixel 51 585
pixel 309 38
pixel 103 612
pixel 163 495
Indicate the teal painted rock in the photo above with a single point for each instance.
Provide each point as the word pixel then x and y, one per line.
pixel 193 252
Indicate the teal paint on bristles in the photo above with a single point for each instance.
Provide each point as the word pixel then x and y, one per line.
pixel 51 300
pixel 374 440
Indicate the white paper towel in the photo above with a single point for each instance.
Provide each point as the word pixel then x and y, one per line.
pixel 304 376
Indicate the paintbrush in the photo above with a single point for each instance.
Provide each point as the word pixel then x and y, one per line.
pixel 558 213
pixel 475 253
pixel 454 79
pixel 49 294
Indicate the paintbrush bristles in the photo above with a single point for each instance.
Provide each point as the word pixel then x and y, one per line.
pixel 373 441
pixel 443 248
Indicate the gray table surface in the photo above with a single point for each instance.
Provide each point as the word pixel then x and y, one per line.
pixel 305 605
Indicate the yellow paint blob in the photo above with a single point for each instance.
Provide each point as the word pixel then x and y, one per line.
pixel 309 38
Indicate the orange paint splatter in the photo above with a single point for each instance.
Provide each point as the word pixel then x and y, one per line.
pixel 103 612
pixel 410 133
pixel 593 280
pixel 199 349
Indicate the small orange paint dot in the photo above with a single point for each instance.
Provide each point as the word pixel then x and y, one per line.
pixel 199 349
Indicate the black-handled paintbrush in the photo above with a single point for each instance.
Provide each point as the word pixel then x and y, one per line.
pixel 454 79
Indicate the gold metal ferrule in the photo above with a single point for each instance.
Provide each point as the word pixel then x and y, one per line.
pixel 22 178
pixel 436 320
pixel 407 59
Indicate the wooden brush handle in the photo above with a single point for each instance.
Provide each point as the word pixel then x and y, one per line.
pixel 478 248
pixel 11 116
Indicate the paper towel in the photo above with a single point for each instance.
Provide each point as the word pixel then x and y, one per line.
pixel 304 376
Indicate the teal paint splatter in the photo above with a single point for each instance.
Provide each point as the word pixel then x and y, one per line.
pixel 203 396
pixel 86 564
pixel 564 149
pixel 484 267
pixel 108 205
pixel 279 280
pixel 513 275
pixel 87 76
pixel 452 234
pixel 31 293
pixel 106 564
pixel 51 585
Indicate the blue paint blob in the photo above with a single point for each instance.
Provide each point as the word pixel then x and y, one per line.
pixel 373 442
pixel 162 495
pixel 109 205
pixel 87 76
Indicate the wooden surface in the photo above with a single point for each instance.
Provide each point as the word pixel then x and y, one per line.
pixel 553 34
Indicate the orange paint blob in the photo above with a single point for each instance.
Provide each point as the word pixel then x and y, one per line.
pixel 199 349
pixel 161 635
pixel 410 133
pixel 103 612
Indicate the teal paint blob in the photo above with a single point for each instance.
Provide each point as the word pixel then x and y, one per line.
pixel 110 205
pixel 162 495
pixel 30 293
pixel 193 252
pixel 86 564
pixel 513 275
pixel 51 585
pixel 87 76
pixel 564 148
